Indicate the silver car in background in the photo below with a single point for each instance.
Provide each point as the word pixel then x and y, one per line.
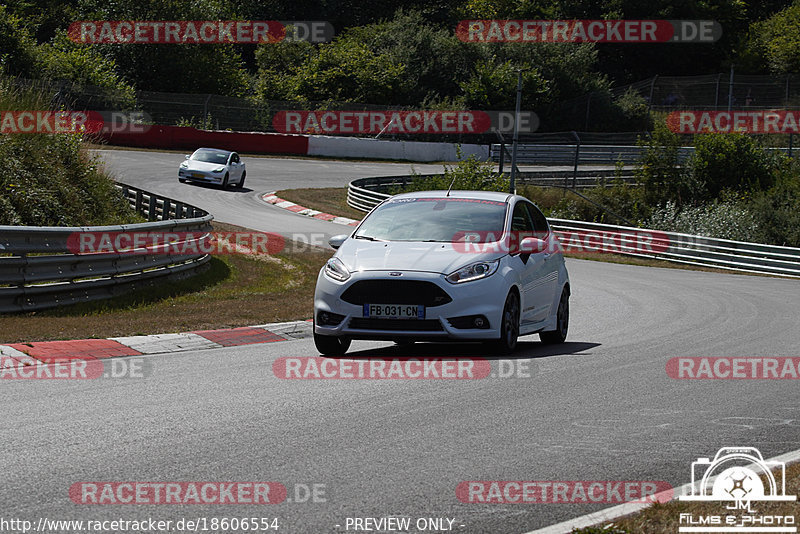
pixel 213 166
pixel 436 265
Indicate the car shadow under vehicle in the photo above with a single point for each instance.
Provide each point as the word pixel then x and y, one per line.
pixel 218 187
pixel 525 350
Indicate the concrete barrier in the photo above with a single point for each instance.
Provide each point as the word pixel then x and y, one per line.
pixel 360 147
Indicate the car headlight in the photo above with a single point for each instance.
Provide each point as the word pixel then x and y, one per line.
pixel 336 270
pixel 219 169
pixel 474 271
pixel 184 165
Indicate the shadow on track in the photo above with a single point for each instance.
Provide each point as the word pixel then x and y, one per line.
pixel 218 187
pixel 525 350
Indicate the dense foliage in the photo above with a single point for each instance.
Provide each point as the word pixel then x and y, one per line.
pixel 50 180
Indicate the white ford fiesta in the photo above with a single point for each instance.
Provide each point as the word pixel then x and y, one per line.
pixel 459 266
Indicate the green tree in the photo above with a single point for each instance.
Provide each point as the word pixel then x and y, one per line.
pixel 18 51
pixel 777 40
pixel 176 68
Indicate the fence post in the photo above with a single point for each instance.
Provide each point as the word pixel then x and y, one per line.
pixel 205 113
pixel 577 159
pixel 588 107
pixel 786 99
pixel 730 91
pixel 652 91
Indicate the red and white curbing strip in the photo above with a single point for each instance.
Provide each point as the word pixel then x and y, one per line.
pixel 23 354
pixel 271 198
pixel 35 353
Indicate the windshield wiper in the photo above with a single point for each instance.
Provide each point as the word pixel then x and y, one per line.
pixel 367 237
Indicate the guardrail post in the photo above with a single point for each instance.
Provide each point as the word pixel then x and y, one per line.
pixel 152 209
pixel 179 210
pixel 165 215
pixel 138 205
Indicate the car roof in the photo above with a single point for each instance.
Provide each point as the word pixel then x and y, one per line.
pixel 497 196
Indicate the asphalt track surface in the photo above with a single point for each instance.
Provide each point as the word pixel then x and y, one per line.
pixel 599 407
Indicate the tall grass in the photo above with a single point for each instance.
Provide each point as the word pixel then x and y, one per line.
pixel 50 179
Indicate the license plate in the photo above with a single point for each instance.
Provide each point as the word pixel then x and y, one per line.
pixel 394 311
pixel 198 175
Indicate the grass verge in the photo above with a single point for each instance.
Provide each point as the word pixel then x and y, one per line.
pixel 331 200
pixel 236 290
pixel 665 518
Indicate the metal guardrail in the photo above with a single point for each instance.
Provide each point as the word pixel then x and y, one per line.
pixel 577 154
pixel 583 154
pixel 363 194
pixel 39 268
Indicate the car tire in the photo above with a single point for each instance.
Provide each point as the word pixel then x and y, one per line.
pixel 509 325
pixel 182 180
pixel 331 345
pixel 559 335
pixel 240 185
pixel 225 181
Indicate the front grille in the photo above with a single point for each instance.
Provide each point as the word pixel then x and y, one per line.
pixel 396 292
pixel 407 325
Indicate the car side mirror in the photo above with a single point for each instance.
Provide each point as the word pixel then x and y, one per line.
pixel 337 240
pixel 187 156
pixel 532 245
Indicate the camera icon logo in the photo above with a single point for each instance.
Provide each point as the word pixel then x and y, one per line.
pixel 735 474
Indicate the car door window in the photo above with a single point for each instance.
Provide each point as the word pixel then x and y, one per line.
pixel 540 225
pixel 521 226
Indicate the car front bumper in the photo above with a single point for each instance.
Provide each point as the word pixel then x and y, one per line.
pixel 201 176
pixel 480 298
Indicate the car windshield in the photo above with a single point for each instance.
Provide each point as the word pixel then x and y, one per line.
pixel 433 219
pixel 210 156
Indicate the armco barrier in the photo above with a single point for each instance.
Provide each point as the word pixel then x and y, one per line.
pixel 587 154
pixel 38 267
pixel 366 193
pixel 541 154
pixel 185 138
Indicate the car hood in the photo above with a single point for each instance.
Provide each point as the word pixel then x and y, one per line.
pixel 363 255
pixel 195 165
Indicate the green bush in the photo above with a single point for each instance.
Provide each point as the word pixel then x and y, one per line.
pixel 619 203
pixel 722 220
pixel 777 210
pixel 660 172
pixel 469 174
pixel 730 162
